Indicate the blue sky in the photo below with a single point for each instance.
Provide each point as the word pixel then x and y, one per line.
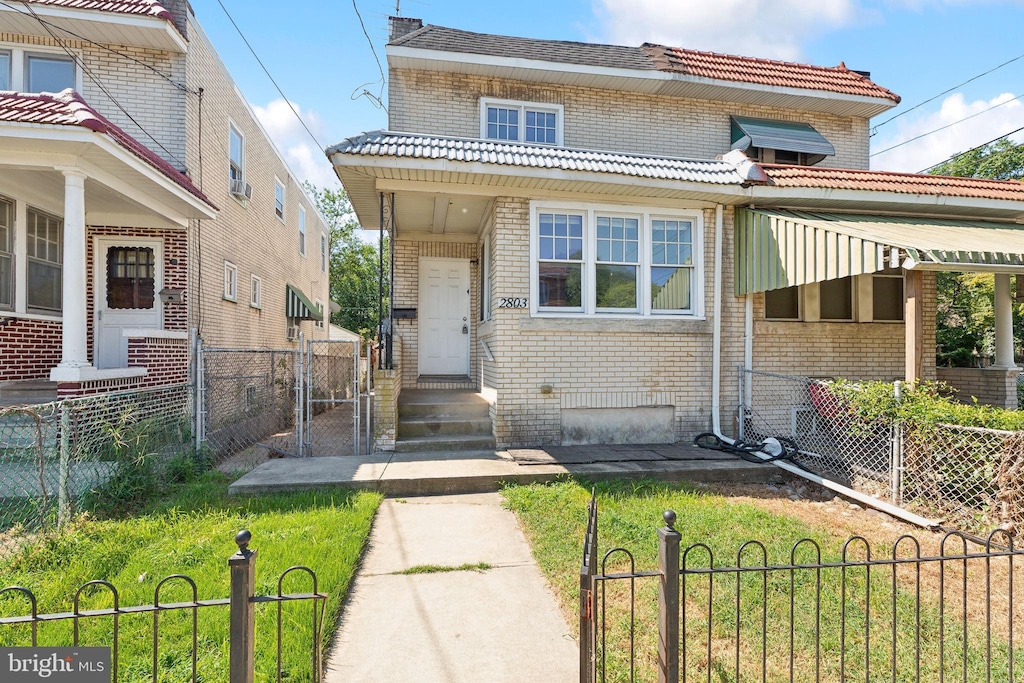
pixel 317 52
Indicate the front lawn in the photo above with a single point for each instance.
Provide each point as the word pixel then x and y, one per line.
pixel 554 517
pixel 191 531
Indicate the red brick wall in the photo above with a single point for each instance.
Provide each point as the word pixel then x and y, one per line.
pixel 28 348
pixel 165 359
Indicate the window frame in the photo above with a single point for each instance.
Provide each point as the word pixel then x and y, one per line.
pixel 278 185
pixel 29 307
pixel 62 56
pixel 234 129
pixel 255 291
pixel 302 231
pixel 10 253
pixel 18 52
pixel 322 322
pixel 646 215
pixel 523 107
pixel 323 252
pixel 230 281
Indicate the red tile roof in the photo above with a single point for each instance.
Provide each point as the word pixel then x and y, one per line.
pixel 885 181
pixel 722 67
pixel 143 7
pixel 69 109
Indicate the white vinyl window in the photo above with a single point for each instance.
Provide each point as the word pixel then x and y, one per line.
pixel 323 253
pixel 256 291
pixel 279 199
pixel 320 307
pixel 606 260
pixel 521 121
pixel 230 281
pixel 49 72
pixel 236 158
pixel 302 231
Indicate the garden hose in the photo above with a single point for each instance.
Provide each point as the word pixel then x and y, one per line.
pixel 775 447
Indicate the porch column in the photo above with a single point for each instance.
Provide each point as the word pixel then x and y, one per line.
pixel 1003 306
pixel 74 342
pixel 913 316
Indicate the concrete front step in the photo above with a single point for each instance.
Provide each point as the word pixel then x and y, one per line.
pixel 422 403
pixel 444 443
pixel 28 391
pixel 444 426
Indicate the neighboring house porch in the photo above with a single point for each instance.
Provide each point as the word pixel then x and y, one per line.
pixel 93 250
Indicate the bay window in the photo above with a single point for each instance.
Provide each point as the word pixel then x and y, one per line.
pixel 603 260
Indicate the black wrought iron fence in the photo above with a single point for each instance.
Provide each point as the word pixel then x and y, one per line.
pixel 241 605
pixel 820 613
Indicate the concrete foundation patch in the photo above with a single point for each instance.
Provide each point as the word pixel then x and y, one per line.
pixel 640 425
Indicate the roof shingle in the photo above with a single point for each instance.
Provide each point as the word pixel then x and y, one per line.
pixel 142 7
pixel 69 109
pixel 885 181
pixel 722 67
pixel 415 146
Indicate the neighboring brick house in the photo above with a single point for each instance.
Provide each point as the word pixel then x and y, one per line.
pixel 595 237
pixel 139 199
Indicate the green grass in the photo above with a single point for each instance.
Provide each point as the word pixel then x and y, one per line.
pixel 554 517
pixel 191 531
pixel 442 568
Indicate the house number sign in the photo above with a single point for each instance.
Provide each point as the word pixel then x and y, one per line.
pixel 510 302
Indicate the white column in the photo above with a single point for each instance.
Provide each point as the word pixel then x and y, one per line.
pixel 74 342
pixel 1004 322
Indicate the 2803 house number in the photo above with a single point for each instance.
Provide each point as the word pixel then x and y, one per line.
pixel 511 302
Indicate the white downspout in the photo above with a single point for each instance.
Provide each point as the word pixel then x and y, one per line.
pixel 716 396
pixel 748 348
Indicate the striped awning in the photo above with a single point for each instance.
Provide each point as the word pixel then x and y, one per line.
pixel 300 307
pixel 779 248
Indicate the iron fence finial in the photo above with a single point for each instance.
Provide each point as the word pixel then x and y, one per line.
pixel 670 519
pixel 242 538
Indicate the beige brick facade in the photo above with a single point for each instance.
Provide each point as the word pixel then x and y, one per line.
pixel 449 104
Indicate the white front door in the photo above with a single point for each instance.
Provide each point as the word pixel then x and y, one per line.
pixel 444 317
pixel 128 273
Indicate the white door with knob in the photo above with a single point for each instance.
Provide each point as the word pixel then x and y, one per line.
pixel 444 317
pixel 128 278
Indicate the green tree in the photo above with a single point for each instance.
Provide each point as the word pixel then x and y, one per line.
pixel 965 318
pixel 354 264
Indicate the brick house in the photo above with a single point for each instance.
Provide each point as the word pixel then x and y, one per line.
pixel 140 199
pixel 595 237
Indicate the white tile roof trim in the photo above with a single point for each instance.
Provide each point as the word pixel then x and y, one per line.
pixel 413 146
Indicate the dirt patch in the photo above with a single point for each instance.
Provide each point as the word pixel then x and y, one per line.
pixel 988 583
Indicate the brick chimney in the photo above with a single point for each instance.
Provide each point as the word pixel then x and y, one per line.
pixel 400 26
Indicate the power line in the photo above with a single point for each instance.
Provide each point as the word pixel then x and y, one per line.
pixel 874 129
pixel 99 84
pixel 948 125
pixel 263 66
pixel 972 149
pixel 161 74
pixel 378 99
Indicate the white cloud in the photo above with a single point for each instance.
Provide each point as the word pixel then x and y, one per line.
pixel 305 159
pixel 939 146
pixel 769 28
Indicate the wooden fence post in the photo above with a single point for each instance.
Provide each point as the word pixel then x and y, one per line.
pixel 668 600
pixel 243 611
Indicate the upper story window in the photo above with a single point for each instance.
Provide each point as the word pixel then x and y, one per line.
pixel 279 199
pixel 521 121
pixel 302 230
pixel 236 155
pixel 597 259
pixel 48 73
pixel 323 253
pixel 779 142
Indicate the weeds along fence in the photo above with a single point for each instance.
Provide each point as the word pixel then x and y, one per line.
pixel 90 452
pixel 181 636
pixel 816 611
pixel 968 478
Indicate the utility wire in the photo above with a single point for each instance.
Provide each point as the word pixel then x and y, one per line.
pixel 263 66
pixel 376 99
pixel 161 74
pixel 99 84
pixel 948 125
pixel 874 129
pixel 972 149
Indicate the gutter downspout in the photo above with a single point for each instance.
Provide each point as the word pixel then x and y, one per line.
pixel 716 396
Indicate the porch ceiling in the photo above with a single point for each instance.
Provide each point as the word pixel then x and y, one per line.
pixel 439 214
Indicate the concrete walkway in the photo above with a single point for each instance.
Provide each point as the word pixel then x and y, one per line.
pixel 499 624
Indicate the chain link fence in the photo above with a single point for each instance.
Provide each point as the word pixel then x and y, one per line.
pixel 968 478
pixel 333 387
pixel 57 458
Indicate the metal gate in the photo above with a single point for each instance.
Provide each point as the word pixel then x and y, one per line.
pixel 330 399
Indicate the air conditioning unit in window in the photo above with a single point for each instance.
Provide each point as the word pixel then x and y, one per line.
pixel 293 332
pixel 241 189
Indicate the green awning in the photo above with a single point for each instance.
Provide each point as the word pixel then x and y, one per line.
pixel 300 307
pixel 782 248
pixel 790 136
